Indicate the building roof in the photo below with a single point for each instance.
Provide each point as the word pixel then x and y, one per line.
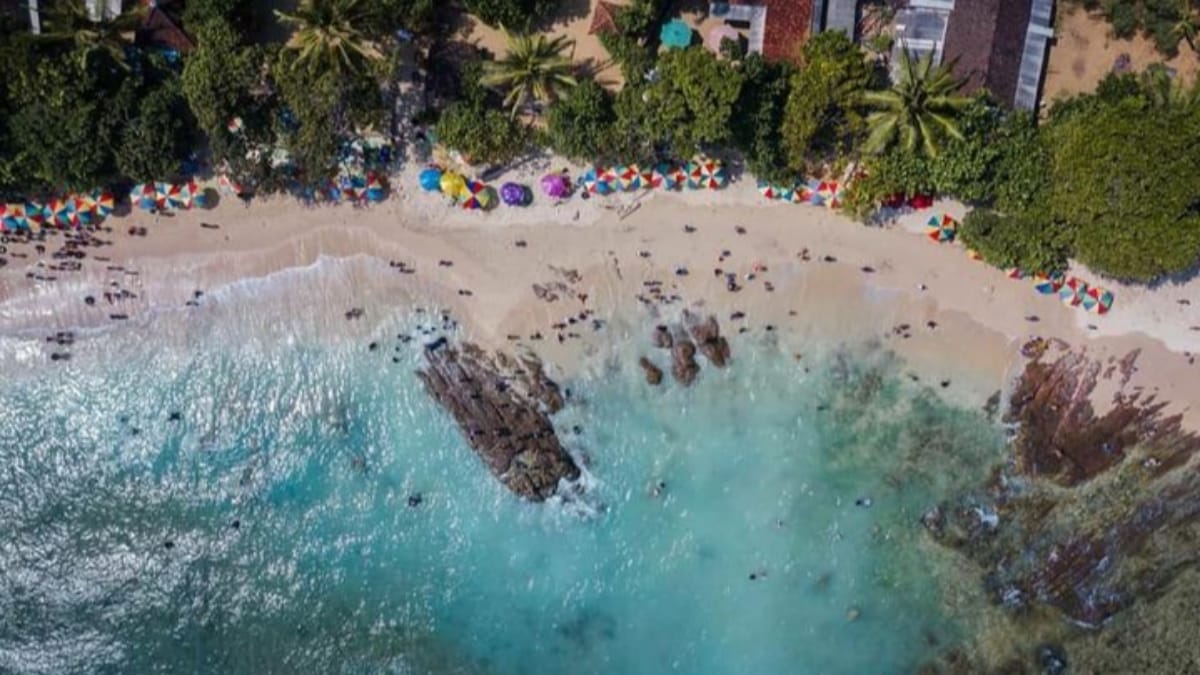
pixel 604 18
pixel 985 40
pixel 787 25
pixel 158 30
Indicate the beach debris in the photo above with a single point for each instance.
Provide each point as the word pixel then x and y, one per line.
pixel 654 374
pixel 502 406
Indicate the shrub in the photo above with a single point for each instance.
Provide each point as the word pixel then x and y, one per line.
pixel 580 126
pixel 1016 240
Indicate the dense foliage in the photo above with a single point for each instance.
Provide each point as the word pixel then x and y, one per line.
pixel 690 103
pixel 758 123
pixel 1020 240
pixel 1165 22
pixel 1125 177
pixel 822 117
pixel 477 127
pixel 514 14
pixel 580 127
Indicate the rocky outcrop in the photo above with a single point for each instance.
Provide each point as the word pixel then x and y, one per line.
pixel 654 374
pixel 1095 511
pixel 707 334
pixel 502 406
pixel 683 361
pixel 661 337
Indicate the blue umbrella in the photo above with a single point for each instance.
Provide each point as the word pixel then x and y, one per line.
pixel 431 180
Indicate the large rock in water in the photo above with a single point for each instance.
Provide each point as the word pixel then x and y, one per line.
pixel 707 334
pixel 503 407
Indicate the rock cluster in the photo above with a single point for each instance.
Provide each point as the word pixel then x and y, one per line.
pixel 695 335
pixel 502 406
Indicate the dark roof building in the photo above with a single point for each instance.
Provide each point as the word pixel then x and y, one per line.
pixel 998 45
pixel 604 18
pixel 778 28
pixel 158 30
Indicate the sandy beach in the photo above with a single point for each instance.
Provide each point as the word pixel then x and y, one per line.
pixel 801 273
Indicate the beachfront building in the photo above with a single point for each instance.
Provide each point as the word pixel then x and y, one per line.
pixel 998 45
pixel 777 28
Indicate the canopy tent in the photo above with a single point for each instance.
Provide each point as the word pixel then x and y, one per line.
pixel 431 179
pixel 712 41
pixel 514 194
pixel 675 34
pixel 555 185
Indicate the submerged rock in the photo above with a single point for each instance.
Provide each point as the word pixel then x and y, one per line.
pixel 707 334
pixel 503 406
pixel 683 361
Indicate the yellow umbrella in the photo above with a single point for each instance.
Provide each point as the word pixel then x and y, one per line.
pixel 453 185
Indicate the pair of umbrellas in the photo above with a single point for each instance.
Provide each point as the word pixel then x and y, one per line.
pixel 163 196
pixel 941 230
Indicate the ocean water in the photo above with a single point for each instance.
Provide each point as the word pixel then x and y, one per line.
pixel 182 498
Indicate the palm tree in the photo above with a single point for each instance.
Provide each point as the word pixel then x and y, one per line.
pixel 921 107
pixel 329 35
pixel 1185 29
pixel 69 21
pixel 533 68
pixel 1165 90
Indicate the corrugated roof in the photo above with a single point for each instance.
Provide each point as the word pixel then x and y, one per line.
pixel 985 40
pixel 787 25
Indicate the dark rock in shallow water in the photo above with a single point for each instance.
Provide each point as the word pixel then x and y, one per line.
pixel 662 337
pixel 503 407
pixel 707 334
pixel 1095 512
pixel 654 374
pixel 683 361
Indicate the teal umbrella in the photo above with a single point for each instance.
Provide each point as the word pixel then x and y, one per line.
pixel 676 33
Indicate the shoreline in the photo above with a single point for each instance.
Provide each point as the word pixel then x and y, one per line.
pixel 978 315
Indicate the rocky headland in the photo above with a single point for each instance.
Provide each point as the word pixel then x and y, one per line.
pixel 1094 513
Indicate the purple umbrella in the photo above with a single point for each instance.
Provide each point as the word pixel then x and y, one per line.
pixel 554 185
pixel 513 194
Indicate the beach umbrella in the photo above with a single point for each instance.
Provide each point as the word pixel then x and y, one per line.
pixel 35 214
pixel 1072 291
pixel 513 194
pixel 431 179
pixel 477 195
pixel 554 185
pixel 941 229
pixel 13 217
pixel 712 41
pixel 668 176
pixel 973 254
pixel 105 202
pixel 177 196
pixel 717 176
pixel 453 184
pixel 767 190
pixel 193 193
pixel 646 175
pixel 787 194
pixel 1014 273
pixel 1088 300
pixel 1048 284
pixel 376 190
pixel 695 174
pixel 235 125
pixel 85 209
pixel 619 172
pixel 630 178
pixel 57 213
pixel 675 34
pixel 1103 299
pixel 599 181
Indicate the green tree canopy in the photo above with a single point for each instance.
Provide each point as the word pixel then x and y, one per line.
pixel 580 127
pixel 516 14
pixel 760 116
pixel 154 142
pixel 690 103
pixel 1125 177
pixel 1020 240
pixel 821 117
pixel 483 135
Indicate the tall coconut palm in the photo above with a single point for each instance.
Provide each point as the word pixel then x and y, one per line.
pixel 533 68
pixel 330 35
pixel 68 21
pixel 920 109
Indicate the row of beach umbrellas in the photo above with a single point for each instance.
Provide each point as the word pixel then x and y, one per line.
pixel 78 210
pixel 701 173
pixel 1073 291
pixel 161 196
pixel 813 192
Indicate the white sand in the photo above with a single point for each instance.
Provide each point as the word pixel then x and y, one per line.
pixel 980 314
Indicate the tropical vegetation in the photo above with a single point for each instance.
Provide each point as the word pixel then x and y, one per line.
pixel 1108 178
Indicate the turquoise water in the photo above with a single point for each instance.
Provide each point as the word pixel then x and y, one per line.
pixel 118 551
